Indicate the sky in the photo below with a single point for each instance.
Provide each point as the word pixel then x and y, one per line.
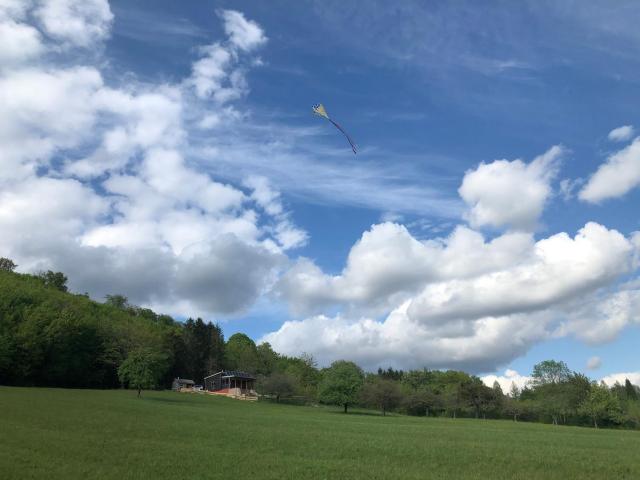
pixel 167 151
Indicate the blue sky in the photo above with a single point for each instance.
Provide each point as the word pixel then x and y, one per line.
pixel 194 144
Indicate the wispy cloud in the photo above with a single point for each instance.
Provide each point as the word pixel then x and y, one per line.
pixel 299 163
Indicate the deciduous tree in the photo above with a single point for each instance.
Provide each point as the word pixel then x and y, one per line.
pixel 341 383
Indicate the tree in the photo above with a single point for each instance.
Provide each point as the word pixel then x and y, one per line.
pixel 57 280
pixel 7 264
pixel 630 390
pixel 477 394
pixel 241 353
pixel 550 371
pixel 341 383
pixel 279 385
pixel 267 358
pixel 382 393
pixel 117 301
pixel 143 368
pixel 513 407
pixel 421 402
pixel 600 404
pixel 515 391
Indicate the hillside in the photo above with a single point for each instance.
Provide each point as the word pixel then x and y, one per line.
pixel 54 338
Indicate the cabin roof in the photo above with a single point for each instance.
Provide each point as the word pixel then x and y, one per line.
pixel 185 381
pixel 233 374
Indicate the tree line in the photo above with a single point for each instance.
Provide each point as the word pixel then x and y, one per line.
pixel 50 337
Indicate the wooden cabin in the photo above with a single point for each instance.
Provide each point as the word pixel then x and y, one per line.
pixel 232 383
pixel 180 384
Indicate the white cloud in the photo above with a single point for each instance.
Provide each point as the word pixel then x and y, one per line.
pixel 621 134
pixel 243 34
pixel 634 378
pixel 594 363
pixel 462 275
pixel 18 42
pixel 614 178
pixel 220 73
pixel 401 342
pixel 559 268
pixel 76 22
pixel 603 317
pixel 96 181
pixel 513 194
pixel 456 293
pixel 32 126
pixel 507 380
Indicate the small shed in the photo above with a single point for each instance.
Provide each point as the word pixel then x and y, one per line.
pixel 232 383
pixel 180 383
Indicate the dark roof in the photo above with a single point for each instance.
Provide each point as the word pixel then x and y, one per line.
pixel 185 381
pixel 233 374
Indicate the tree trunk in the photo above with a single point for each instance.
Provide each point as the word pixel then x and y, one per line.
pixel 595 423
pixel 139 390
pixel 384 412
pixel 345 408
pixel 454 414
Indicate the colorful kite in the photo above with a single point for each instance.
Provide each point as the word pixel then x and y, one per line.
pixel 319 110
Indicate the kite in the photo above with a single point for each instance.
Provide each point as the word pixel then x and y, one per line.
pixel 319 110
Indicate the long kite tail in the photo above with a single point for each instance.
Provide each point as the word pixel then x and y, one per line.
pixel 353 146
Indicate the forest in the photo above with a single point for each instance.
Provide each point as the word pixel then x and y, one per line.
pixel 50 337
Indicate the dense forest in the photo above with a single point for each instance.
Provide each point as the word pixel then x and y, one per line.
pixel 51 337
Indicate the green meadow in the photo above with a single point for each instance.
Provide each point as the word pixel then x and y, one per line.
pixel 111 434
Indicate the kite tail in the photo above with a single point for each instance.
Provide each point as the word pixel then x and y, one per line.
pixel 353 146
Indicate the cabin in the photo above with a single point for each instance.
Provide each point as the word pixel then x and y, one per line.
pixel 232 383
pixel 180 384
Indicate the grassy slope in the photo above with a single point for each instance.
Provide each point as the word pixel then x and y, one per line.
pixel 65 434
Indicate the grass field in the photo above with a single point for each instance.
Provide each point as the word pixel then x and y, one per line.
pixel 68 434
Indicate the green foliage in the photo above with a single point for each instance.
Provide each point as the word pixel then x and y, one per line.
pixel 341 383
pixel 53 338
pixel 117 301
pixel 7 264
pixel 278 385
pixel 600 405
pixel 143 368
pixel 57 280
pixel 382 393
pixel 241 353
pixel 550 371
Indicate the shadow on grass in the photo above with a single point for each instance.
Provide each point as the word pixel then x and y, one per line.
pixel 367 414
pixel 163 399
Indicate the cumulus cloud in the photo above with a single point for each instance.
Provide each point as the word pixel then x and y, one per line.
pixel 18 42
pixel 594 363
pixel 401 342
pixel 510 193
pixel 559 268
pixel 76 22
pixel 616 177
pixel 634 378
pixel 96 180
pixel 604 316
pixel 461 275
pixel 456 294
pixel 507 380
pixel 621 134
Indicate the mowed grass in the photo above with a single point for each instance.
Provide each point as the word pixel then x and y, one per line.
pixel 68 434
